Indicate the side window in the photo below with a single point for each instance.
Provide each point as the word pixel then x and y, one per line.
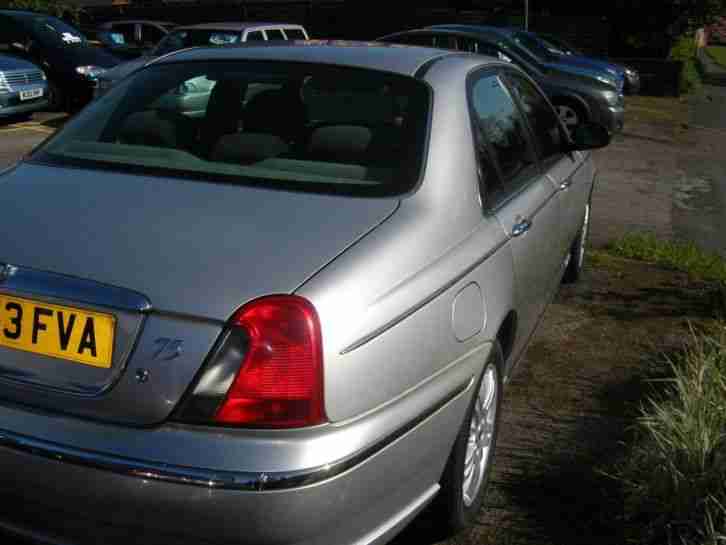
pixel 425 40
pixel 500 136
pixel 255 36
pixel 443 41
pixel 294 34
pixel 9 33
pixel 274 34
pixel 541 116
pixel 128 31
pixel 150 35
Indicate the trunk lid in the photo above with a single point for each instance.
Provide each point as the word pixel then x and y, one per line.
pixel 101 242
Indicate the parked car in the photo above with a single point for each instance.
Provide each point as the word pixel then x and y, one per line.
pixel 577 97
pixel 558 46
pixel 290 320
pixel 207 34
pixel 141 34
pixel 71 64
pixel 112 41
pixel 23 87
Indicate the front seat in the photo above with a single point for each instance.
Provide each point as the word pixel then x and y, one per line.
pixel 224 112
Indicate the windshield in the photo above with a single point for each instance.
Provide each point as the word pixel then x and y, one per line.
pixel 532 44
pixel 53 32
pixel 181 39
pixel 293 126
pixel 561 45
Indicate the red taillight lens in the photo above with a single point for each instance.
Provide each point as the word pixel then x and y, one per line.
pixel 280 380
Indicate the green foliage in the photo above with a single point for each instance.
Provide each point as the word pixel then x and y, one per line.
pixel 718 54
pixel 685 50
pixel 680 256
pixel 675 474
pixel 57 8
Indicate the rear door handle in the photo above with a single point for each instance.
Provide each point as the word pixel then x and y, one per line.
pixel 521 227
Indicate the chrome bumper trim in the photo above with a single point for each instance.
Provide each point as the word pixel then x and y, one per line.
pixel 17 279
pixel 210 478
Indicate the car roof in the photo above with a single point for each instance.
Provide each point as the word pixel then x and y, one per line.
pixel 240 27
pixel 137 21
pixel 473 29
pixel 400 59
pixel 24 12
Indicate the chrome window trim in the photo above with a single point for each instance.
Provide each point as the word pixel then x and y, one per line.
pixel 210 478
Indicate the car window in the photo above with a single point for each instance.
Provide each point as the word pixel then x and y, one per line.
pixel 51 31
pixel 425 40
pixel 274 34
pixel 296 126
pixel 128 30
pixel 255 36
pixel 180 39
pixel 542 118
pixel 294 34
pixel 9 33
pixel 443 41
pixel 500 134
pixel 150 35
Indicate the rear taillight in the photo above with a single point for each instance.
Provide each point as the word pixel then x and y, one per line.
pixel 267 371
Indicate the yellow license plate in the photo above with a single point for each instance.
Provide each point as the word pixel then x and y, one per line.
pixel 62 332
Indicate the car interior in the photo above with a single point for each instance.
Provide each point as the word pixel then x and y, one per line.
pixel 306 126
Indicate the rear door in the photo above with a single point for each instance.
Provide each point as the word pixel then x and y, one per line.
pixel 524 201
pixel 563 169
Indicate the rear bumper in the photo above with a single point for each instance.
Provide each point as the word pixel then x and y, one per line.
pixel 65 494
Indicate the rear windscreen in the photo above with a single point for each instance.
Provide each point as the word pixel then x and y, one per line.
pixel 289 125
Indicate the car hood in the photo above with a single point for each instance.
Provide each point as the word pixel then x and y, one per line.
pixel 8 62
pixel 81 56
pixel 583 75
pixel 125 68
pixel 595 64
pixel 193 248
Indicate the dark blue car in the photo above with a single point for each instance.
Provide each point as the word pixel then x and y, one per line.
pixel 557 46
pixel 70 62
pixel 23 87
pixel 527 44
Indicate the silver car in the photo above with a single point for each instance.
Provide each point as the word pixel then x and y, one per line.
pixel 292 319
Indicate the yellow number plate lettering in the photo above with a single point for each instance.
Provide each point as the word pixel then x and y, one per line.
pixel 62 332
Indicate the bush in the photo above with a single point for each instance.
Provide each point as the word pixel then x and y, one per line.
pixel 685 51
pixel 675 475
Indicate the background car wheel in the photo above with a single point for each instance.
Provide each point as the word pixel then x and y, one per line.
pixel 570 114
pixel 57 101
pixel 576 257
pixel 466 475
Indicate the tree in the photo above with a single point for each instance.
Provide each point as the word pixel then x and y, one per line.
pixel 59 8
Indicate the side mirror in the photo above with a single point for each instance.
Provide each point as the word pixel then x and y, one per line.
pixel 588 136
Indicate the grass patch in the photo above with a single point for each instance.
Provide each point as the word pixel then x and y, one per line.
pixel 718 54
pixel 685 50
pixel 657 109
pixel 680 256
pixel 675 473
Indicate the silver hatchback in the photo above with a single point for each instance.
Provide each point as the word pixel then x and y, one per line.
pixel 289 319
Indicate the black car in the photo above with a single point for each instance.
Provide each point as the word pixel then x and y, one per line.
pixel 71 63
pixel 577 97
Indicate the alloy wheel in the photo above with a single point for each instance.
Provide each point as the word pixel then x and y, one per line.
pixel 481 435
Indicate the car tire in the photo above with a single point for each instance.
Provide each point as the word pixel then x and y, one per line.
pixel 571 113
pixel 57 101
pixel 460 498
pixel 576 257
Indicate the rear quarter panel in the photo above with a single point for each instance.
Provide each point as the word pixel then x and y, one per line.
pixel 387 306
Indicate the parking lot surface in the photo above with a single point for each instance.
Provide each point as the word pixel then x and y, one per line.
pixel 571 399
